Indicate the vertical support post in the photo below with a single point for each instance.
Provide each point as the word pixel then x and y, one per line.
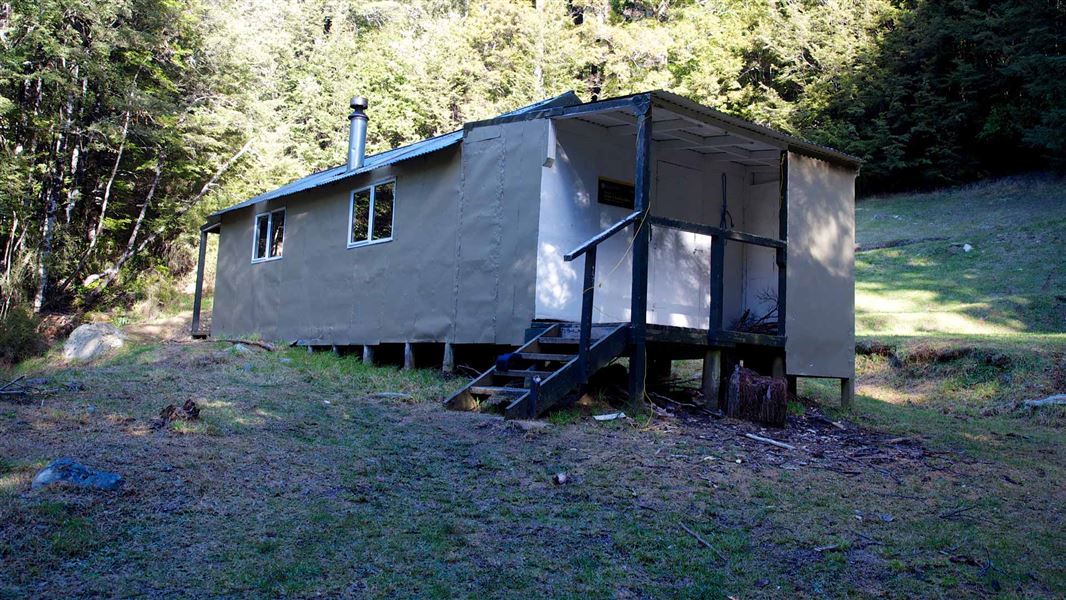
pixel 368 355
pixel 778 368
pixel 408 356
pixel 782 253
pixel 588 291
pixel 642 200
pixel 659 368
pixel 197 300
pixel 717 287
pixel 712 377
pixel 847 392
pixel 448 364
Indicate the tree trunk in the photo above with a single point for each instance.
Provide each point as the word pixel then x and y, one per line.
pixel 111 273
pixel 95 234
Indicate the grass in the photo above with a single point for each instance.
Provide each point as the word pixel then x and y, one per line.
pixel 302 479
pixel 1013 281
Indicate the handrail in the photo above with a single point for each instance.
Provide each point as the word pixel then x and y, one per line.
pixel 728 234
pixel 603 235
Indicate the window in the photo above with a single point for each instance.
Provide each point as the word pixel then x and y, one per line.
pixel 616 193
pixel 370 214
pixel 269 235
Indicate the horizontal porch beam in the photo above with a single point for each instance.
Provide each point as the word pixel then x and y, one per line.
pixel 728 234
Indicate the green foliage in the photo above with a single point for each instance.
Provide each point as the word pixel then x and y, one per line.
pixel 19 338
pixel 124 122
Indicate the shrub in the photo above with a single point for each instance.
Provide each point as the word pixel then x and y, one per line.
pixel 19 338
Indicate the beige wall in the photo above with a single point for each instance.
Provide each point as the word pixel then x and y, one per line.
pixel 321 290
pixel 820 311
pixel 461 266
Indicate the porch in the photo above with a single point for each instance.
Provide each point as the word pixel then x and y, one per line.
pixel 561 353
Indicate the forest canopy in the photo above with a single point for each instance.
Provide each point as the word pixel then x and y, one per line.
pixel 123 122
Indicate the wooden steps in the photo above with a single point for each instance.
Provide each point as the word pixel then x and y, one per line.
pixel 547 375
pixel 545 356
pixel 524 373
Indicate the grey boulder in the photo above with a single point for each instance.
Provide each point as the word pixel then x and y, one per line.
pixel 92 340
pixel 67 471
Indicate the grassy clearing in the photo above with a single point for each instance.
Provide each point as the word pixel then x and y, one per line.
pixel 303 479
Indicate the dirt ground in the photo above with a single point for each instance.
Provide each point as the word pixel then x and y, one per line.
pixel 316 475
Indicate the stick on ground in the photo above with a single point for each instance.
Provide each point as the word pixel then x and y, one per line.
pixel 702 541
pixel 263 345
pixel 765 440
pixel 12 382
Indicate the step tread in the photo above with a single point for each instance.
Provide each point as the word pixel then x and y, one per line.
pixel 558 340
pixel 546 356
pixel 520 373
pixel 482 390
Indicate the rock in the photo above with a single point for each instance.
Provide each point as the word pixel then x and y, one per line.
pixel 67 471
pixel 285 360
pixel 967 247
pixel 92 340
pixel 560 479
pixel 240 349
pixel 527 425
pixel 247 367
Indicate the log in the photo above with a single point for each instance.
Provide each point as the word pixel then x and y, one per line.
pixel 1056 400
pixel 756 398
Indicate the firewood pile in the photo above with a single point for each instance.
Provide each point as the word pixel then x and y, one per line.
pixel 757 398
pixel 765 324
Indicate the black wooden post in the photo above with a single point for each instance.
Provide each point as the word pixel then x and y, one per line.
pixel 199 291
pixel 639 307
pixel 782 253
pixel 717 287
pixel 588 292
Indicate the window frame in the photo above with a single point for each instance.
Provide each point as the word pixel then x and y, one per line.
pixel 270 229
pixel 369 241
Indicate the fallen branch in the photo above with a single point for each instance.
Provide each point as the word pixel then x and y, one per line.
pixel 958 511
pixel 263 345
pixel 12 382
pixel 759 438
pixel 703 541
pixel 827 548
pixel 1056 400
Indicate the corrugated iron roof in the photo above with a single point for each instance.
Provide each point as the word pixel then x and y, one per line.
pixel 341 173
pixel 559 105
pixel 389 157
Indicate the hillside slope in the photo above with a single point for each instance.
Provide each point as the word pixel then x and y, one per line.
pixel 1012 281
pixel 968 287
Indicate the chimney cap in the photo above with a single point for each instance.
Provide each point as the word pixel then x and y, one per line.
pixel 359 103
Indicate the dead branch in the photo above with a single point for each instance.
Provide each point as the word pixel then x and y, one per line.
pixel 703 541
pixel 12 382
pixel 263 345
pixel 765 440
pixel 1056 400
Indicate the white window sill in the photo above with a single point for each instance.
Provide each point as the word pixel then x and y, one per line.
pixel 370 243
pixel 263 260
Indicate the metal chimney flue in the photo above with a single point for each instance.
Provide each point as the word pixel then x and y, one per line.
pixel 357 133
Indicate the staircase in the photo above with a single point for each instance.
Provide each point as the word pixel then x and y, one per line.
pixel 540 373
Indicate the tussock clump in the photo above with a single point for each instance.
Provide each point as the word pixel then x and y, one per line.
pixel 19 338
